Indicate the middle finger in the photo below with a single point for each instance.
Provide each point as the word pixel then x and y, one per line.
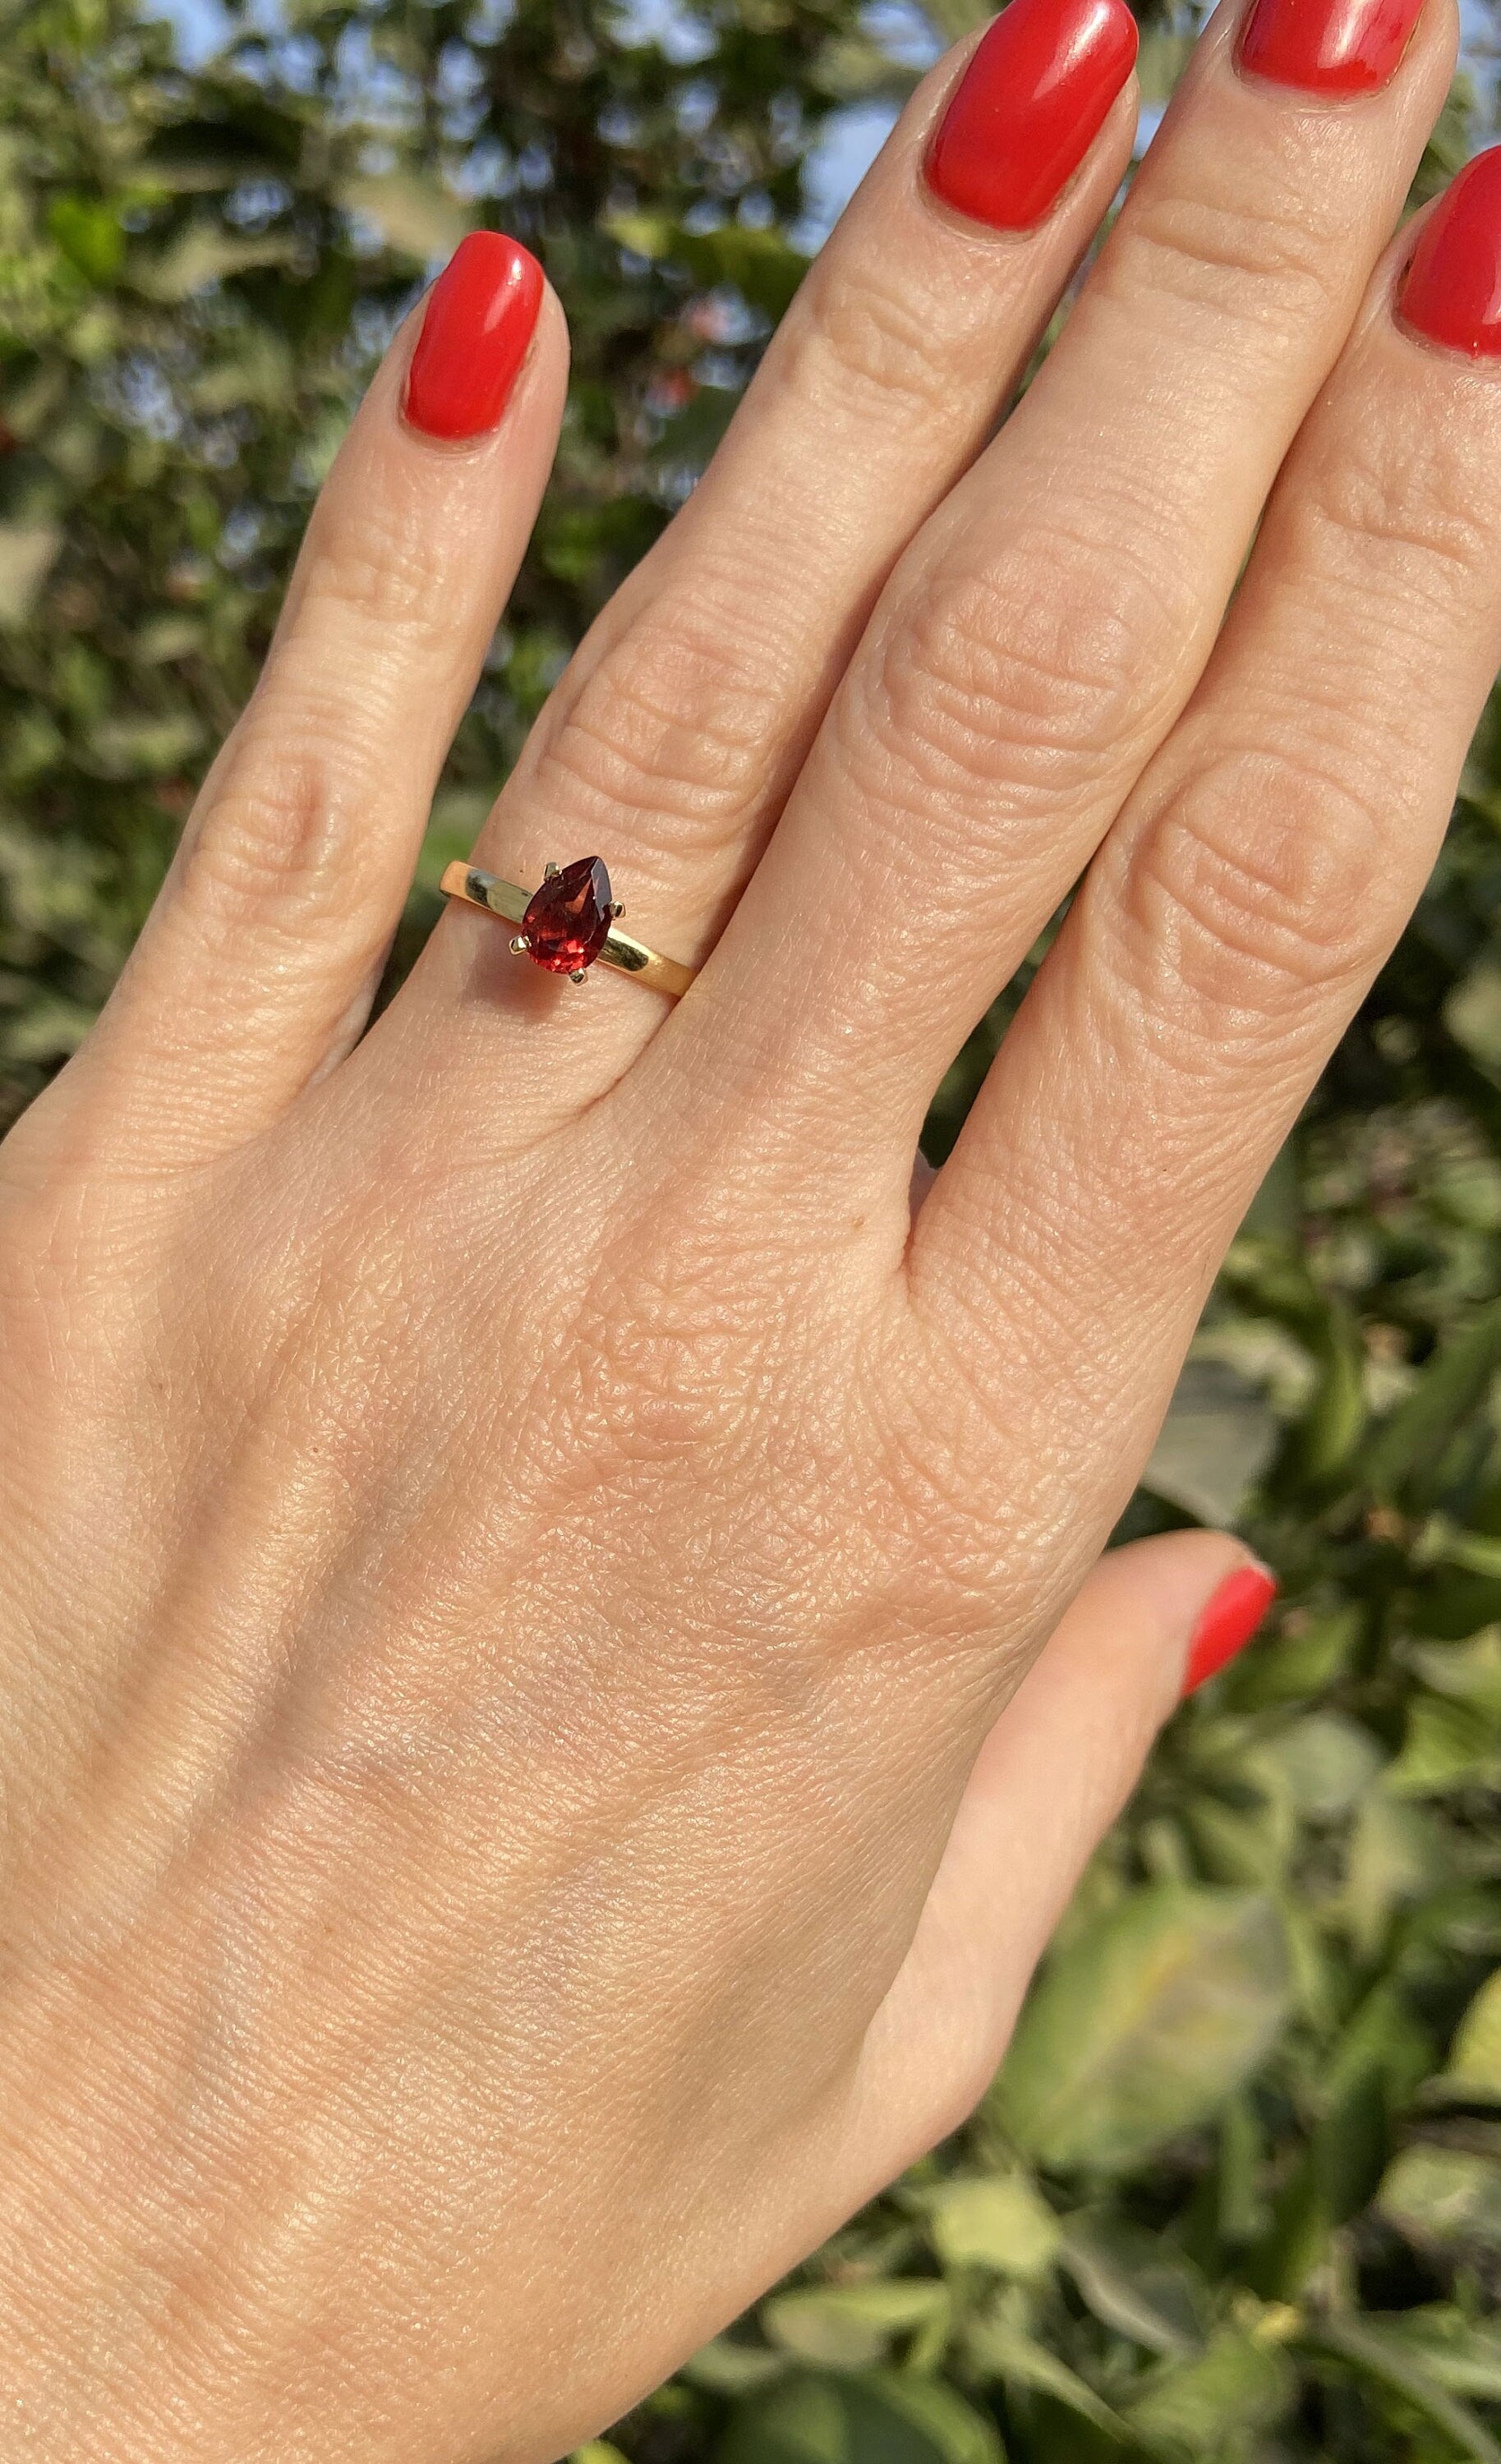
pixel 1043 634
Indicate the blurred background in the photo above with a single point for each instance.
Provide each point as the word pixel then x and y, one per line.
pixel 1237 2192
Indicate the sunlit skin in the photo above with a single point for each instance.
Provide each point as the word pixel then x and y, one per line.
pixel 556 1670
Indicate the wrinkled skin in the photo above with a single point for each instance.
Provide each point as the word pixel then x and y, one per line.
pixel 531 1780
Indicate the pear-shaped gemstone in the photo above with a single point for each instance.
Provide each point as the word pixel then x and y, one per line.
pixel 567 923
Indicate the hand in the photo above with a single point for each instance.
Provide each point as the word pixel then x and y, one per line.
pixel 531 1780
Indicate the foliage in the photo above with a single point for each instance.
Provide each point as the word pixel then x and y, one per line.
pixel 1237 2194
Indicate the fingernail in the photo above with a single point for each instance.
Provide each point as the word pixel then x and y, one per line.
pixel 1453 291
pixel 1030 106
pixel 482 314
pixel 1327 46
pixel 1226 1625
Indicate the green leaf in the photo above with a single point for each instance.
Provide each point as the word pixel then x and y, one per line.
pixel 140 745
pixel 727 2368
pixel 1446 1743
pixel 939 2416
pixel 415 217
pixel 996 2347
pixel 28 553
pixel 1450 1387
pixel 852 68
pixel 1444 2197
pixel 1221 2401
pixel 955 19
pixel 1467 1672
pixel 1300 1661
pixel 1392 2363
pixel 1215 1443
pixel 805 2421
pixel 850 2325
pixel 88 233
pixel 1162 61
pixel 997 2221
pixel 1393 1855
pixel 1145 2021
pixel 1337 1414
pixel 1474 2062
pixel 759 264
pixel 1457 2352
pixel 878 2418
pixel 1472 1013
pixel 205 254
pixel 1325 1764
pixel 1134 2284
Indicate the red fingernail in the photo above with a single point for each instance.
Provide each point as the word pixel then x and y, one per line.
pixel 482 314
pixel 1327 46
pixel 1229 1622
pixel 1452 292
pixel 1030 106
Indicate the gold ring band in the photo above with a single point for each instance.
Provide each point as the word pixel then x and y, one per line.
pixel 614 948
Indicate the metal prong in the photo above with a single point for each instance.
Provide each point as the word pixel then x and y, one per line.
pixel 579 975
pixel 617 907
pixel 521 944
pixel 550 871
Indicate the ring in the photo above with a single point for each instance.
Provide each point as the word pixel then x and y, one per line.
pixel 569 924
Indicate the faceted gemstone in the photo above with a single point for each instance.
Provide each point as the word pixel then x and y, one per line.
pixel 567 923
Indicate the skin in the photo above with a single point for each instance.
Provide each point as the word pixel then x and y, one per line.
pixel 532 1782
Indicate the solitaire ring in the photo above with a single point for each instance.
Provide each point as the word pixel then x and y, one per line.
pixel 568 925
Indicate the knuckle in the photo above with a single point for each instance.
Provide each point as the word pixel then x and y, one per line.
pixel 1415 501
pixel 1033 668
pixel 867 347
pixel 1245 255
pixel 677 725
pixel 265 844
pixel 272 843
pixel 1260 882
pixel 380 572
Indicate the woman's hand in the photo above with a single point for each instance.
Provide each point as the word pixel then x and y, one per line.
pixel 515 1540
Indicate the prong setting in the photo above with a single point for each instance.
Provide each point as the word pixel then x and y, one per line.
pixel 564 925
pixel 550 871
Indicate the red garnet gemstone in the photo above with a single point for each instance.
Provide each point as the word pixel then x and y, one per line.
pixel 567 923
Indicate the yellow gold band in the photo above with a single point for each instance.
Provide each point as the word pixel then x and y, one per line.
pixel 621 950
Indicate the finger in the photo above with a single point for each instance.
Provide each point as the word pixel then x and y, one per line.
pixel 259 958
pixel 671 743
pixel 1150 1621
pixel 1041 634
pixel 1253 886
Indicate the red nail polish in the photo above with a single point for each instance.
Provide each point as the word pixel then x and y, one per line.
pixel 1327 46
pixel 1452 292
pixel 1226 1625
pixel 482 314
pixel 1029 107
